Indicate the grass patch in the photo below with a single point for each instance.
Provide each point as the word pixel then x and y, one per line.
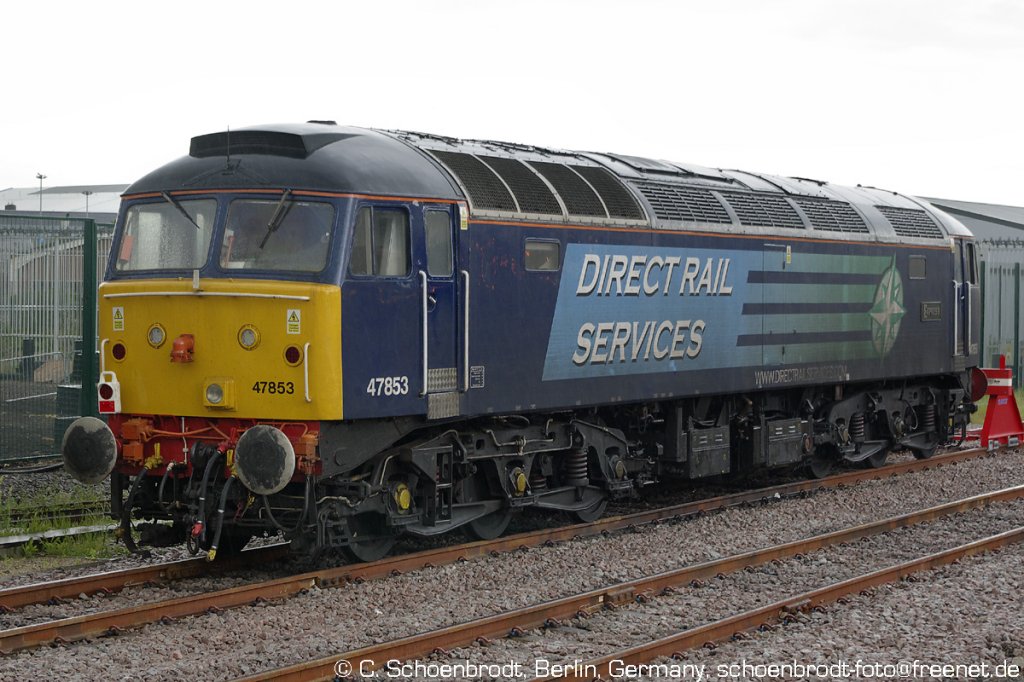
pixel 979 416
pixel 29 514
pixel 19 516
pixel 93 546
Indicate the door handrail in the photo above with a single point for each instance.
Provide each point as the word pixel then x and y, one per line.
pixel 465 333
pixel 426 338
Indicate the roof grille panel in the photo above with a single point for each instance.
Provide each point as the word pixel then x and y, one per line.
pixel 579 198
pixel 485 190
pixel 617 199
pixel 909 222
pixel 764 210
pixel 686 204
pixel 834 216
pixel 531 192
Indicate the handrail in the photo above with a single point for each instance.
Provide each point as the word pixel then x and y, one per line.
pixel 423 282
pixel 465 333
pixel 305 370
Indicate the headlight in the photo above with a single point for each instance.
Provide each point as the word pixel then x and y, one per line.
pixel 214 394
pixel 219 393
pixel 156 336
pixel 248 337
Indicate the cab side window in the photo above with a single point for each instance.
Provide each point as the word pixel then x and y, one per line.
pixel 437 226
pixel 380 243
pixel 972 264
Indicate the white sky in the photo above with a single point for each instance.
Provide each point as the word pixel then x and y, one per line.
pixel 919 96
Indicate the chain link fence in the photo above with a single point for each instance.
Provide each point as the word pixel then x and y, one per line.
pixel 43 269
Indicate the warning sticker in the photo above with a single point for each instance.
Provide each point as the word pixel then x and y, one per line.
pixel 294 324
pixel 118 318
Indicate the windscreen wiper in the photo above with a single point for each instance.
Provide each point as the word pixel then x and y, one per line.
pixel 181 209
pixel 279 213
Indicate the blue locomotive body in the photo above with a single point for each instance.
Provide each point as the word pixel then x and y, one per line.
pixel 533 327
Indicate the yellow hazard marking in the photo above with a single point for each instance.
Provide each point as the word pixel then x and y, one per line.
pixel 294 321
pixel 118 319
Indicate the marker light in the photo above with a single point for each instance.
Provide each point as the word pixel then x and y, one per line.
pixel 156 336
pixel 108 393
pixel 248 337
pixel 293 355
pixel 118 351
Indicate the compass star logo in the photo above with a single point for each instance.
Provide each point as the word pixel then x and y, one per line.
pixel 888 310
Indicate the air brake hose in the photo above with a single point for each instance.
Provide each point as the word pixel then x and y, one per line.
pixel 220 518
pixel 302 516
pixel 126 513
pixel 201 517
pixel 163 483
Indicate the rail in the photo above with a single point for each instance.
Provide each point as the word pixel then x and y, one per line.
pixel 89 625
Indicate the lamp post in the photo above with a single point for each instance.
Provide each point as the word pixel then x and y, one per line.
pixel 41 177
pixel 87 194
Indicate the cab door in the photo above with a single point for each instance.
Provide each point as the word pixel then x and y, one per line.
pixel 966 304
pixel 439 305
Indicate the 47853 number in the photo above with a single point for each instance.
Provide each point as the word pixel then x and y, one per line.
pixel 386 386
pixel 282 387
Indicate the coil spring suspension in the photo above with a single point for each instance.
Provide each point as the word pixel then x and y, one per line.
pixel 576 467
pixel 857 427
pixel 538 481
pixel 929 418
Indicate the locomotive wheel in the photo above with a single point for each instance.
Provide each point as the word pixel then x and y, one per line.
pixel 924 453
pixel 489 526
pixel 822 463
pixel 370 539
pixel 592 513
pixel 877 460
pixel 475 489
pixel 820 467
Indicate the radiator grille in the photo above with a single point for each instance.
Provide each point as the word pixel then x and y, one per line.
pixel 909 222
pixel 485 189
pixel 531 192
pixel 579 199
pixel 617 199
pixel 834 216
pixel 764 210
pixel 685 204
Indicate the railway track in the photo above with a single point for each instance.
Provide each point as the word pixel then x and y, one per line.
pixel 120 619
pixel 553 613
pixel 57 519
pixel 70 513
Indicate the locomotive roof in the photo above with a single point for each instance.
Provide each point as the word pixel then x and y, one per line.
pixel 521 182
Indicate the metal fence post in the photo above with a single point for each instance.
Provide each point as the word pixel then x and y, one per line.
pixel 984 304
pixel 1016 324
pixel 89 377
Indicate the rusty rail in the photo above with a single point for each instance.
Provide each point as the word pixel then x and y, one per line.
pixel 548 613
pixel 721 630
pixel 99 623
pixel 115 581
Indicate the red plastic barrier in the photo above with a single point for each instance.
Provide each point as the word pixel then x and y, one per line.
pixel 1002 420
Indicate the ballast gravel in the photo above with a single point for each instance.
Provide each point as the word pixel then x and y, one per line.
pixel 326 622
pixel 607 632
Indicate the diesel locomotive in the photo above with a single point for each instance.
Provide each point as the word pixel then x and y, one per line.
pixel 346 335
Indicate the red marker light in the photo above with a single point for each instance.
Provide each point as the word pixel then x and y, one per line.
pixel 292 355
pixel 106 391
pixel 118 351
